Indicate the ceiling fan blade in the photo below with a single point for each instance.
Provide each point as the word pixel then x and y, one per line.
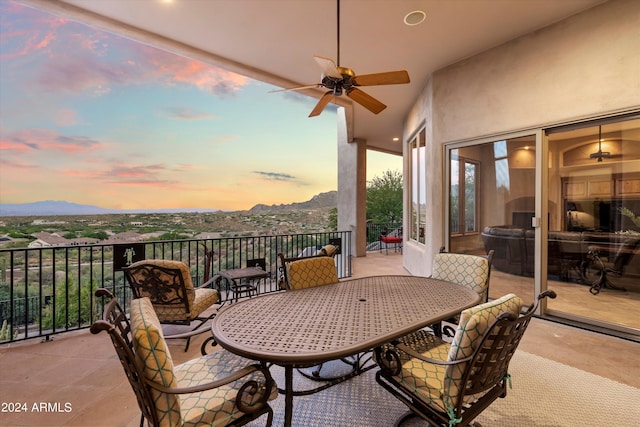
pixel 328 66
pixel 296 88
pixel 321 104
pixel 388 78
pixel 366 100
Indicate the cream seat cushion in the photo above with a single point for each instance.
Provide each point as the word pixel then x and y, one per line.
pixel 215 407
pixel 438 385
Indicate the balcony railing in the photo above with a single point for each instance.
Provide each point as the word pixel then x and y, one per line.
pixel 48 290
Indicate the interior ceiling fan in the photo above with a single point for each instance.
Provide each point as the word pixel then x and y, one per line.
pixel 341 80
pixel 599 155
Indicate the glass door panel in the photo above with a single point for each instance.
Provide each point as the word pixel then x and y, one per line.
pixel 594 223
pixel 492 203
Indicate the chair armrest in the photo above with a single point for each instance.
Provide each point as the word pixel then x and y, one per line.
pixel 208 283
pixel 189 334
pixel 211 384
pixel 406 349
pixel 390 362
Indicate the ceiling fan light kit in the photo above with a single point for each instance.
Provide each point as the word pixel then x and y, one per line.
pixel 342 80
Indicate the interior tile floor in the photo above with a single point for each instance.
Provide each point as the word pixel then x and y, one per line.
pixel 83 370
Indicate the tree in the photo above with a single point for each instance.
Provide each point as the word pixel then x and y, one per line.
pixel 333 219
pixel 384 198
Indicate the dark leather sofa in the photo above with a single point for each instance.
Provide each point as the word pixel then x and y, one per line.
pixel 515 252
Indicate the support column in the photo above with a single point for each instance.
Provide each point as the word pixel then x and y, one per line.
pixel 352 187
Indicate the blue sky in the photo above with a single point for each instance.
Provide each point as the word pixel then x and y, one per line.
pixel 94 118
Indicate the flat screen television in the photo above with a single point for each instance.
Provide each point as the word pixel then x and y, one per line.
pixel 522 219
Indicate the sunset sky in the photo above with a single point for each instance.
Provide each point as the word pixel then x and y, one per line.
pixel 93 118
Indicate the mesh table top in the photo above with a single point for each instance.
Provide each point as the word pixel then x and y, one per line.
pixel 323 323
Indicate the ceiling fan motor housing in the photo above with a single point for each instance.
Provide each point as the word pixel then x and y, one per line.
pixel 337 85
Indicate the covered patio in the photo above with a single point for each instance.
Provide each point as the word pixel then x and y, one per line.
pixel 524 93
pixel 83 370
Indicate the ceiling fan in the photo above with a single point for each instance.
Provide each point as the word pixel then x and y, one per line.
pixel 341 80
pixel 599 155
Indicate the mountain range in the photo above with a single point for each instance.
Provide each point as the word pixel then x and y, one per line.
pixel 322 200
pixel 61 207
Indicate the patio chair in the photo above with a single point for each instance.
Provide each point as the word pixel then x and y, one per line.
pixel 451 384
pixel 307 272
pixel 310 272
pixel 472 271
pixel 218 389
pixel 168 285
pixel 328 251
pixel 394 238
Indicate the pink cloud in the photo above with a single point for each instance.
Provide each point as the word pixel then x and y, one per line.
pixel 7 144
pixel 17 165
pixel 132 175
pixel 172 69
pixel 188 114
pixel 46 140
pixel 66 117
pixel 78 72
pixel 206 77
pixel 126 174
pixel 28 30
pixel 78 58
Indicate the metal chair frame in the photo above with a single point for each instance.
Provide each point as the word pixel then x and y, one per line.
pixel 116 323
pixel 486 370
pixel 167 292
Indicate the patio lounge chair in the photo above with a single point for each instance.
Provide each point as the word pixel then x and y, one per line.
pixel 218 389
pixel 168 285
pixel 451 384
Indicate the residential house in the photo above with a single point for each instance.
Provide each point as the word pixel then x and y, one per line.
pixel 44 240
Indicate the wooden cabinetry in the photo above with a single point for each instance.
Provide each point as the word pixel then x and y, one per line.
pixel 595 202
pixel 628 186
pixel 602 186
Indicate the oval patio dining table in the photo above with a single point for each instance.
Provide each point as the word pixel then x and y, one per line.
pixel 310 326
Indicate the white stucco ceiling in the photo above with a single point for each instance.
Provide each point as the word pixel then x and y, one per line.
pixel 275 40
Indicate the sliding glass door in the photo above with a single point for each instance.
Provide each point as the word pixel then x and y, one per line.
pixel 594 222
pixel 586 244
pixel 491 207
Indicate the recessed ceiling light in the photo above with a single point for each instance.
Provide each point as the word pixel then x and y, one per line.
pixel 414 18
pixel 395 138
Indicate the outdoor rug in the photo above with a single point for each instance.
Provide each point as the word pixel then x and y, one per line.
pixel 544 394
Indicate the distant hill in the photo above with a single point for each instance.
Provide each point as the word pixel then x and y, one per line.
pixel 61 207
pixel 322 200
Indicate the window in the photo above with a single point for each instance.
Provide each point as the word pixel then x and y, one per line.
pixel 464 181
pixel 418 190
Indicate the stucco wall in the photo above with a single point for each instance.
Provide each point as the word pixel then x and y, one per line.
pixel 352 186
pixel 585 66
